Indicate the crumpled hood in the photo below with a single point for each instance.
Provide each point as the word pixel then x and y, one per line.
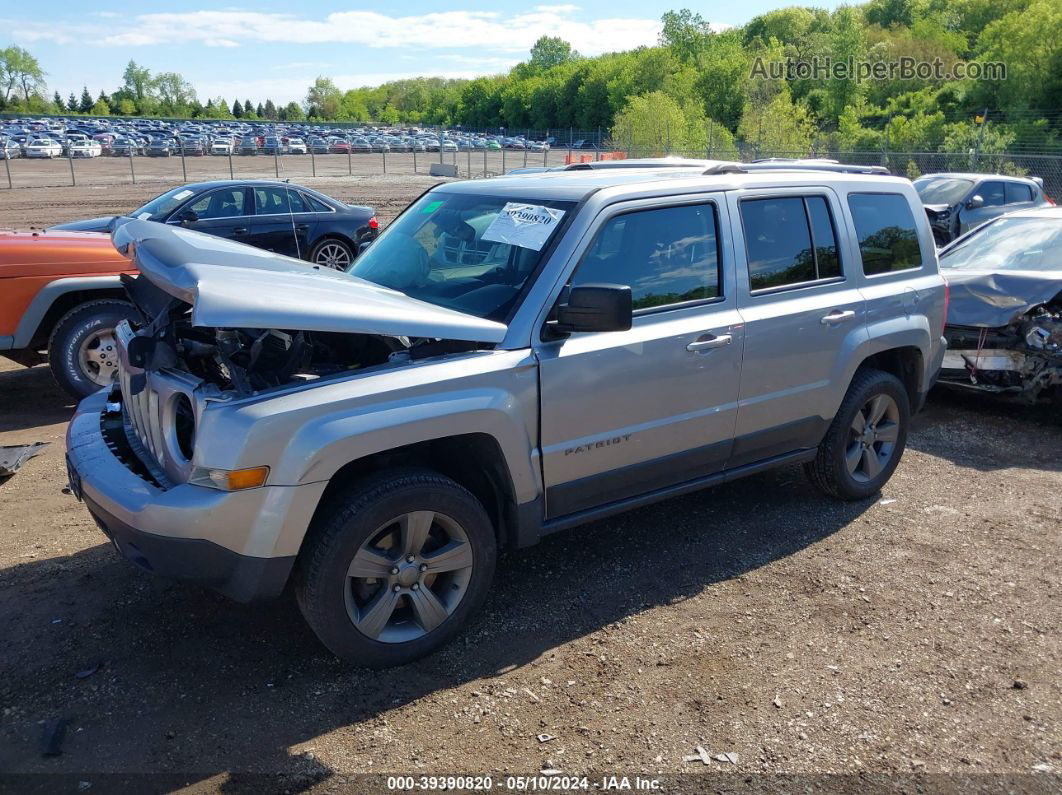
pixel 231 285
pixel 993 299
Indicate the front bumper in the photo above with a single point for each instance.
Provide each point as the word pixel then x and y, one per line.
pixel 241 543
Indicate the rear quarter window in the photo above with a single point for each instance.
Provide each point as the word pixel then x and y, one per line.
pixel 885 228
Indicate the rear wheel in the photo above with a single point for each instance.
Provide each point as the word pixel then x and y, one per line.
pixel 866 438
pixel 332 253
pixel 396 568
pixel 82 350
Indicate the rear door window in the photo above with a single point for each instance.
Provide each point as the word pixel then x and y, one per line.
pixel 1017 193
pixel 790 240
pixel 885 227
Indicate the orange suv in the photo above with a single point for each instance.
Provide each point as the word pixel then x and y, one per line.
pixel 60 292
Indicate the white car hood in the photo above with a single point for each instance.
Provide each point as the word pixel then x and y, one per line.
pixel 231 285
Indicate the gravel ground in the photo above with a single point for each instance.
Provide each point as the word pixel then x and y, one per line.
pixel 40 207
pixel 913 634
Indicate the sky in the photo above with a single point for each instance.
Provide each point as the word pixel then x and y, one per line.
pixel 276 49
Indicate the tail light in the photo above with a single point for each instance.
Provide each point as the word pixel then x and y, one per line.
pixel 947 301
pixel 1049 200
pixel 373 223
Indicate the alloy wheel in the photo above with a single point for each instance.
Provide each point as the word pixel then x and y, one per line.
pixel 333 255
pixel 872 438
pixel 408 577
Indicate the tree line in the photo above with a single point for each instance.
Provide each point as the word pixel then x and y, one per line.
pixel 700 89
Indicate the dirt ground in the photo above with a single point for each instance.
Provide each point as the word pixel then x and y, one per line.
pixel 40 207
pixel 118 170
pixel 914 634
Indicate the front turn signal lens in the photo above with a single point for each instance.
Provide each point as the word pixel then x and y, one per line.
pixel 230 479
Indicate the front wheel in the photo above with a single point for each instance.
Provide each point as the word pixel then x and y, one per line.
pixel 396 568
pixel 82 350
pixel 866 439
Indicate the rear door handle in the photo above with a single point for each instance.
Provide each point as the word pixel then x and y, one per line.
pixel 240 230
pixel 836 317
pixel 301 227
pixel 707 344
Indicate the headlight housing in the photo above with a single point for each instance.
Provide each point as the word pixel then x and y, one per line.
pixel 229 479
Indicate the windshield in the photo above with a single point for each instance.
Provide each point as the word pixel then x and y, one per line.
pixel 162 205
pixel 1018 244
pixel 461 251
pixel 942 190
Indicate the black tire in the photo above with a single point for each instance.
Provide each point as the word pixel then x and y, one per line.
pixel 71 331
pixel 329 243
pixel 322 586
pixel 830 471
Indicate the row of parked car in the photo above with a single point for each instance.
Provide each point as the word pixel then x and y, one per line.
pixel 86 137
pixel 508 359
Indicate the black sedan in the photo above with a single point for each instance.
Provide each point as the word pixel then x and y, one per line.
pixel 276 216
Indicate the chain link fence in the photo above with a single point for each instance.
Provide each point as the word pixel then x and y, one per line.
pixel 473 163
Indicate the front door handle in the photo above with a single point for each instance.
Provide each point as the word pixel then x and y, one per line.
pixel 707 344
pixel 836 317
pixel 240 230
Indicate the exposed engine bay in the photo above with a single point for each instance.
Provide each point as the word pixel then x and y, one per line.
pixel 249 361
pixel 1023 358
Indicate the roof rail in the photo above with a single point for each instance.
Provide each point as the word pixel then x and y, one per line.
pixel 794 165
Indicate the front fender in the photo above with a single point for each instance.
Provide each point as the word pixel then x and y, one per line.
pixel 308 434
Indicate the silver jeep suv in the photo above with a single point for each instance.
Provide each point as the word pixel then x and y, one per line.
pixel 512 357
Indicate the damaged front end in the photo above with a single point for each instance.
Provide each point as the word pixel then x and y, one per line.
pixel 220 322
pixel 1022 359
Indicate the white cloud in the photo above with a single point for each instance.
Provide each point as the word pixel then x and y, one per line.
pixel 432 31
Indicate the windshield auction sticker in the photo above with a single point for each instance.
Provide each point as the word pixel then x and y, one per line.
pixel 524 225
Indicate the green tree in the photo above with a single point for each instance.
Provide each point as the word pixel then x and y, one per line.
pixel 777 127
pixel 237 109
pixel 101 108
pixel 655 124
pixel 550 51
pixel 57 100
pixel 684 33
pixel 175 94
pixel 21 76
pixel 85 106
pixel 260 111
pixel 137 81
pixel 323 98
pixel 270 109
pixel 71 102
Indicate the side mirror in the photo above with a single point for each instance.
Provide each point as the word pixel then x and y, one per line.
pixel 187 217
pixel 594 307
pixel 975 202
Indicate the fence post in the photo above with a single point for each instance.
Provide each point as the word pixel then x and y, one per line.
pixel 384 155
pixel 980 138
pixel 484 162
pixel 597 145
pixel 184 168
pixel 276 162
pixel 503 160
pixel 525 153
pixel 415 160
pixel 131 171
pixel 711 137
pixel 7 167
pixel 469 153
pixel 350 168
pixel 230 164
pixel 70 157
pixel 313 163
